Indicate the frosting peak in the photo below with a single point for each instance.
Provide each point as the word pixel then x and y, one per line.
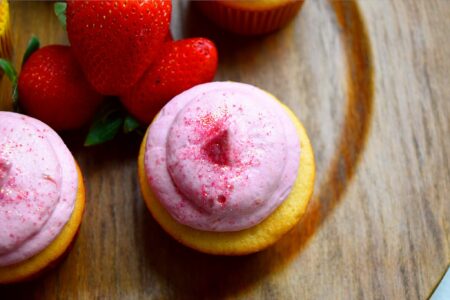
pixel 222 156
pixel 216 149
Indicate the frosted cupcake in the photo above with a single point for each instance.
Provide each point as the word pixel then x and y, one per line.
pixel 226 169
pixel 250 17
pixel 41 197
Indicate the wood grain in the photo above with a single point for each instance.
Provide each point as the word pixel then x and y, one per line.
pixel 378 226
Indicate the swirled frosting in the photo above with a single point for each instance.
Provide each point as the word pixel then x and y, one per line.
pixel 222 156
pixel 38 186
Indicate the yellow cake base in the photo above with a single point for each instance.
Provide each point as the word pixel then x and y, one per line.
pixel 252 239
pixel 47 257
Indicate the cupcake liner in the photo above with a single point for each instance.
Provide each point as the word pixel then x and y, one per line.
pixel 247 21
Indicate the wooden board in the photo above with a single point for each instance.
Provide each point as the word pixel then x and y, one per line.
pixel 378 226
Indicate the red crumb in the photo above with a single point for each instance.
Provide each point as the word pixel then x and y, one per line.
pixel 222 199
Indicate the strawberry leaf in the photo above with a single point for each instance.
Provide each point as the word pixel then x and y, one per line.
pixel 130 124
pixel 109 121
pixel 12 76
pixel 15 98
pixel 33 45
pixel 60 11
pixel 103 131
pixel 106 125
pixel 9 70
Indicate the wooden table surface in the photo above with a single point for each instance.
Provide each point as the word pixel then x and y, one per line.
pixel 378 225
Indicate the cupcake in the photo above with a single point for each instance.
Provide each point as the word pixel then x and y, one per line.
pixel 5 30
pixel 250 17
pixel 41 197
pixel 226 169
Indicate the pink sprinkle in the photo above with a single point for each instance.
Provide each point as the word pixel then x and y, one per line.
pixel 222 199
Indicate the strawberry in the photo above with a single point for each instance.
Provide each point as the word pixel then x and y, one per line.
pixel 116 41
pixel 52 88
pixel 181 65
pixel 169 37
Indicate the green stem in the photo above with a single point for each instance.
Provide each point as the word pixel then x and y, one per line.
pixel 11 73
pixel 33 45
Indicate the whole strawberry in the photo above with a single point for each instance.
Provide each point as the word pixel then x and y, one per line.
pixel 115 41
pixel 52 88
pixel 180 66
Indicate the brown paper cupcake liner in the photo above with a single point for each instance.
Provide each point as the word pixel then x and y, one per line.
pixel 246 21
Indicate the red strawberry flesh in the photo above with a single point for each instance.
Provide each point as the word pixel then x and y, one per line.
pixel 52 88
pixel 116 41
pixel 180 66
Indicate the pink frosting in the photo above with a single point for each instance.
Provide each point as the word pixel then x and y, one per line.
pixel 38 187
pixel 222 156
